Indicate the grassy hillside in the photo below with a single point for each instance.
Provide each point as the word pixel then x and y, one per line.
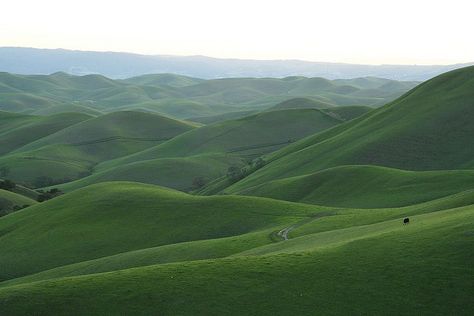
pixel 301 103
pixel 247 137
pixel 366 187
pixel 181 173
pixel 179 96
pixel 17 130
pixel 404 269
pixel 222 117
pixel 72 152
pixel 115 217
pixel 11 201
pixel 426 129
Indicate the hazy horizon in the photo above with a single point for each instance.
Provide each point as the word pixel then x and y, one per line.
pixel 232 58
pixel 367 32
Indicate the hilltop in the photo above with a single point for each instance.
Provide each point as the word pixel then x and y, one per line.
pixel 182 97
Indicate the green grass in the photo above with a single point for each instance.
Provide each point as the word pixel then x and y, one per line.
pixel 72 152
pixel 10 200
pixel 115 217
pixel 132 248
pixel 247 137
pixel 222 117
pixel 177 173
pixel 405 270
pixel 301 103
pixel 17 130
pixel 180 96
pixel 426 129
pixel 365 187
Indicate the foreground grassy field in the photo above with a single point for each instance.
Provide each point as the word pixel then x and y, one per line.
pixel 404 269
pixel 110 218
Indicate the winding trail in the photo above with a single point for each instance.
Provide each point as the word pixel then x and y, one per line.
pixel 285 231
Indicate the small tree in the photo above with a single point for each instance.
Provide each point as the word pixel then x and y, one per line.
pixel 234 173
pixel 52 193
pixel 258 163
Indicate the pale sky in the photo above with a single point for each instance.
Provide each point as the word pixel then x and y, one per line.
pixel 358 31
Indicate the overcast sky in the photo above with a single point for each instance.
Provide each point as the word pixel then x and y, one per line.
pixel 358 31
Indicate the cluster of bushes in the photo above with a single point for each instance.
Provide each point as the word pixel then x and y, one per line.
pixel 48 195
pixel 235 173
pixel 198 183
pixel 7 185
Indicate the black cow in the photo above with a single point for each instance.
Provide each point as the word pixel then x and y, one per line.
pixel 406 220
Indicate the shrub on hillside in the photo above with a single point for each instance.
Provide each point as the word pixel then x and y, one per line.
pixel 48 195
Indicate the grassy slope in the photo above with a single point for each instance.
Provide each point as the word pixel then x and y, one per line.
pixel 125 124
pixel 8 200
pixel 366 187
pixel 177 173
pixel 301 103
pixel 222 117
pixel 426 129
pixel 17 130
pixel 344 223
pixel 72 152
pixel 404 269
pixel 250 136
pixel 115 217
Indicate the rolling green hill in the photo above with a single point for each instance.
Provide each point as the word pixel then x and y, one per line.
pixel 10 201
pixel 298 103
pixel 426 129
pixel 247 137
pixel 366 186
pixel 172 80
pixel 72 152
pixel 17 130
pixel 181 173
pixel 404 269
pixel 180 96
pixel 313 189
pixel 110 218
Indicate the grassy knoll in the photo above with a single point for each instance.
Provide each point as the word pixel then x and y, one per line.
pixel 366 186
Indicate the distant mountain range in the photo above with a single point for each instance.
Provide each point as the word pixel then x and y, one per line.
pixel 125 65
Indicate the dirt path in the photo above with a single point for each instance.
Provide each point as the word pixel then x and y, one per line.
pixel 285 231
